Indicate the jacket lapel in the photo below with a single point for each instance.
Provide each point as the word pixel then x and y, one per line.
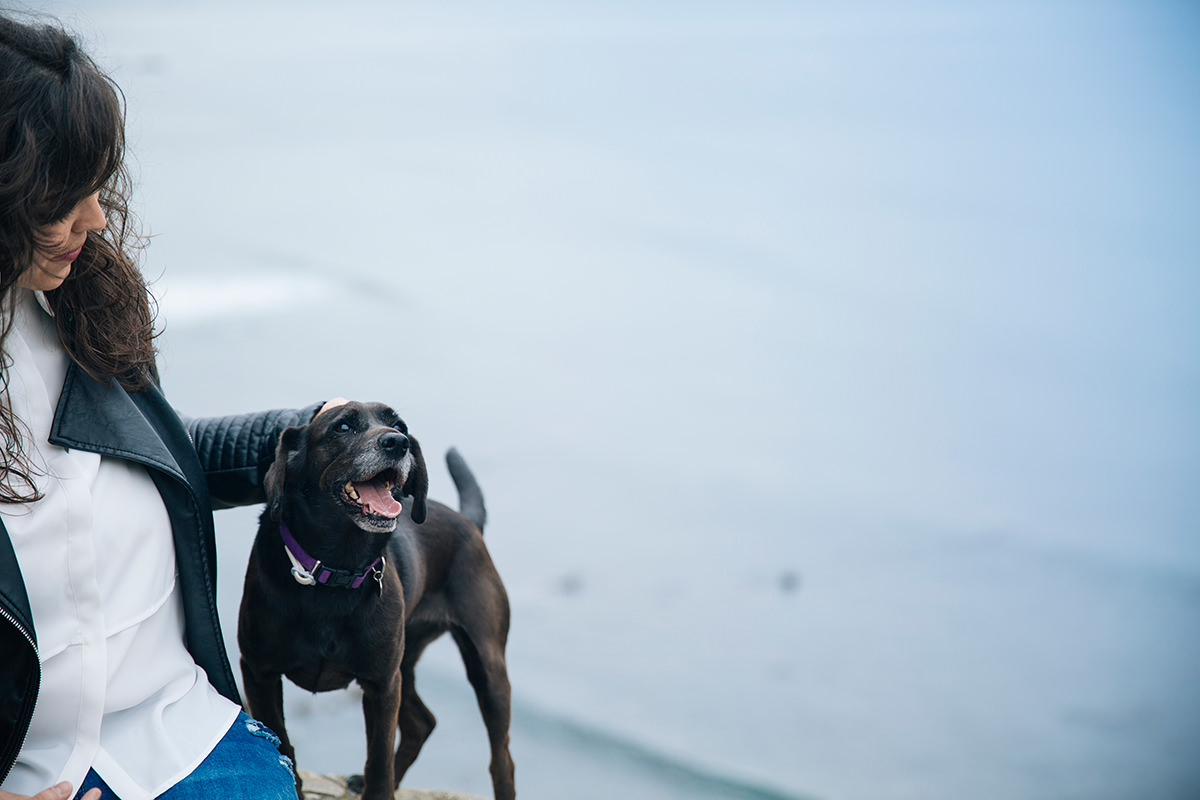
pixel 103 418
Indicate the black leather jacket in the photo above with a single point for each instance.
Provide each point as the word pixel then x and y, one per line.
pixel 197 465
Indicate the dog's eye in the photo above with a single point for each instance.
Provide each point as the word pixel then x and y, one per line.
pixel 344 428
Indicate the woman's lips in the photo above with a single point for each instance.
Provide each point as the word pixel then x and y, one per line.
pixel 69 257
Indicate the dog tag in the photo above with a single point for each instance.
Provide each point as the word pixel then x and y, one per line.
pixel 379 574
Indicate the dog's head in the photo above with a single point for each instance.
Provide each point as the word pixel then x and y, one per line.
pixel 357 459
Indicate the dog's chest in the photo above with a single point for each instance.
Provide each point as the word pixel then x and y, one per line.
pixel 322 660
pixel 323 651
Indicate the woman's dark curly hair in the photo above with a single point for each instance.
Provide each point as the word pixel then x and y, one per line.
pixel 62 138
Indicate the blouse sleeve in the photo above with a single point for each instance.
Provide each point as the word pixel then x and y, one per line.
pixel 236 451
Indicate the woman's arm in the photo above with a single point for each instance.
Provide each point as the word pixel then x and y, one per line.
pixel 235 451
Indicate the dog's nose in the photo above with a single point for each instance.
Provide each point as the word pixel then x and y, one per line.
pixel 394 442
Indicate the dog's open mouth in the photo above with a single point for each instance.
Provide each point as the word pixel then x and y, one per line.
pixel 372 498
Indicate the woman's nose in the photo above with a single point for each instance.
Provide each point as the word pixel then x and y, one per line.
pixel 90 216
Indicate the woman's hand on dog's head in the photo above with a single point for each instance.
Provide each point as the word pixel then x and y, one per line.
pixel 334 403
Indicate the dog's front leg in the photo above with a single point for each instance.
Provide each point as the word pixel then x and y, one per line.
pixel 381 707
pixel 264 696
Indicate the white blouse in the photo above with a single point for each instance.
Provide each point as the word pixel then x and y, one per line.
pixel 119 693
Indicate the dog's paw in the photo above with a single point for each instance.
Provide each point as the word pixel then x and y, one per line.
pixel 355 783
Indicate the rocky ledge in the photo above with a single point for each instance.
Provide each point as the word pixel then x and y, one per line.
pixel 333 787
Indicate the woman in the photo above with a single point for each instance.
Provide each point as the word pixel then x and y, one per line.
pixel 113 673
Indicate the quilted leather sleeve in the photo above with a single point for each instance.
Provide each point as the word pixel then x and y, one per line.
pixel 236 451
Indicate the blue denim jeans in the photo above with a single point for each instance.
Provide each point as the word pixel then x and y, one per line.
pixel 245 765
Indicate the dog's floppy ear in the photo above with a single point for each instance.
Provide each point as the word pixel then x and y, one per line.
pixel 289 454
pixel 416 485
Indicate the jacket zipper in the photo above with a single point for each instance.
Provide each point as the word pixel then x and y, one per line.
pixel 7 760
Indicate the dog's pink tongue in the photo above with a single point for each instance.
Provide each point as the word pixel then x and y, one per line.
pixel 377 496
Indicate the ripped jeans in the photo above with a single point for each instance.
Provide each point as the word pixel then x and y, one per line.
pixel 245 765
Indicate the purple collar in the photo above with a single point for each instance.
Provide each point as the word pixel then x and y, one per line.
pixel 308 571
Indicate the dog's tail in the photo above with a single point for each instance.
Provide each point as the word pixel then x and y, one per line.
pixel 470 496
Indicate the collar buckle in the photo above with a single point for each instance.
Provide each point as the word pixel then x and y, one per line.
pixel 327 576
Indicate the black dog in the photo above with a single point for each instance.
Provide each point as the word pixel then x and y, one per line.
pixel 343 586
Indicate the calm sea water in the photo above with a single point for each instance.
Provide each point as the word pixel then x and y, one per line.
pixel 830 372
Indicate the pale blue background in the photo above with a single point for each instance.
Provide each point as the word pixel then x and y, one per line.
pixel 831 370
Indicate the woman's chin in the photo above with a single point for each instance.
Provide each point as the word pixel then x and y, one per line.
pixel 43 280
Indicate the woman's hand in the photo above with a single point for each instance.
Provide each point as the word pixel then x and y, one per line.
pixel 334 403
pixel 60 792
